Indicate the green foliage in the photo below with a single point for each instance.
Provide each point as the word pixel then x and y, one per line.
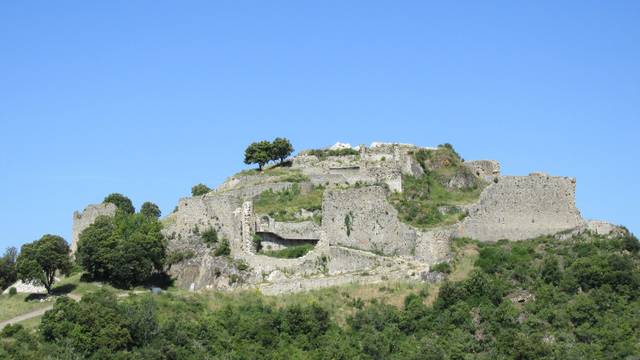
pixel 283 205
pixel 13 291
pixel 425 200
pixel 290 252
pixel 122 202
pixel 223 248
pixel 322 154
pixel 442 267
pixel 39 261
pixel 199 189
pixel 8 272
pixel 124 250
pixel 150 209
pixel 348 223
pixel 476 318
pixel 281 148
pixel 209 236
pixel 260 153
pixel 177 256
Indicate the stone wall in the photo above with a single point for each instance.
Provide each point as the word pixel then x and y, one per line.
pixel 522 207
pixel 82 220
pixel 484 169
pixel 361 218
pixel 289 230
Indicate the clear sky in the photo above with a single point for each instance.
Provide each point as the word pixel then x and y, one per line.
pixel 148 98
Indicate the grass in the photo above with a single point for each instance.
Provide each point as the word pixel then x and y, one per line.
pixel 12 306
pixel 425 201
pixel 284 205
pixel 290 252
pixel 322 154
pixel 277 174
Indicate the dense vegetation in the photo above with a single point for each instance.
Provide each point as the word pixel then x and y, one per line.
pixel 290 252
pixel 8 272
pixel 429 200
pixel 286 204
pixel 542 298
pixel 322 154
pixel 39 261
pixel 122 202
pixel 125 250
pixel 262 152
pixel 199 189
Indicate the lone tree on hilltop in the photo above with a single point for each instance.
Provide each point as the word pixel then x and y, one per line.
pixel 199 189
pixel 122 202
pixel 258 153
pixel 281 148
pixel 38 261
pixel 150 209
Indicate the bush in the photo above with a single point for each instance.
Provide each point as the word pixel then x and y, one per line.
pixel 290 252
pixel 322 154
pixel 209 236
pixel 442 267
pixel 13 291
pixel 199 189
pixel 223 248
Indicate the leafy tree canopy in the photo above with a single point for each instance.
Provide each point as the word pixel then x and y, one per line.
pixel 8 273
pixel 199 189
pixel 38 261
pixel 258 153
pixel 122 202
pixel 150 209
pixel 125 250
pixel 281 148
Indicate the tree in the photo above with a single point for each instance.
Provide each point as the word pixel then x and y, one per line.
pixel 8 274
pixel 125 250
pixel 38 261
pixel 122 202
pixel 199 189
pixel 281 148
pixel 258 153
pixel 150 209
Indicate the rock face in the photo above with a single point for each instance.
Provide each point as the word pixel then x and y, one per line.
pixel 360 237
pixel 82 220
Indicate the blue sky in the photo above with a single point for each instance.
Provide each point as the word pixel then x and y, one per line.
pixel 148 98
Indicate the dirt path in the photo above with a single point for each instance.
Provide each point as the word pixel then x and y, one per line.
pixel 32 314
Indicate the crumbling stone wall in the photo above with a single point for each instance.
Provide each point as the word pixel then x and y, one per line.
pixel 484 169
pixel 522 207
pixel 361 218
pixel 88 216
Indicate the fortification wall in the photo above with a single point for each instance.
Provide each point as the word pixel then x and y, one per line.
pixel 522 207
pixel 289 230
pixel 82 220
pixel 484 169
pixel 361 218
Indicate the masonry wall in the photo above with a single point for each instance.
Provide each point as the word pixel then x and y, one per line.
pixel 522 207
pixel 82 220
pixel 374 224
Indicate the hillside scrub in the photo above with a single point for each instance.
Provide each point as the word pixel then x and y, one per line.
pixel 540 298
pixel 285 204
pixel 323 154
pixel 290 252
pixel 426 200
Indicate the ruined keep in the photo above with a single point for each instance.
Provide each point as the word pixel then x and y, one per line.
pixel 354 230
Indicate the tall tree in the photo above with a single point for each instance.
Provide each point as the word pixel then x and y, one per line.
pixel 281 149
pixel 258 153
pixel 8 274
pixel 38 261
pixel 122 202
pixel 150 209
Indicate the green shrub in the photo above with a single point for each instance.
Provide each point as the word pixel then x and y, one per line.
pixel 122 202
pixel 223 248
pixel 13 291
pixel 290 252
pixel 442 267
pixel 322 154
pixel 209 236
